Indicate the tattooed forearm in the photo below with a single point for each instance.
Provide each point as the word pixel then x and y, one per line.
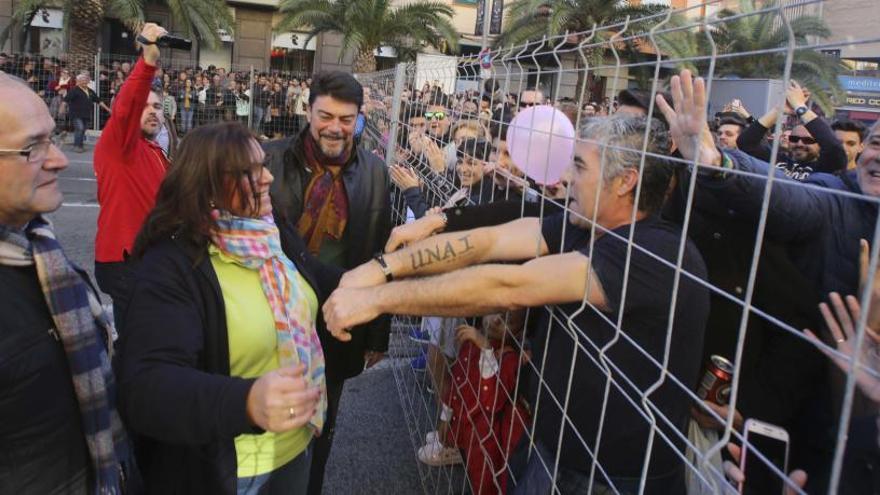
pixel 441 252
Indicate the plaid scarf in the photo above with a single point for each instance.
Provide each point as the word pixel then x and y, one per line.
pixel 255 243
pixel 86 334
pixel 325 209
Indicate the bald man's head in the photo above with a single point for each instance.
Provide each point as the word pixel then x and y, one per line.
pixel 30 163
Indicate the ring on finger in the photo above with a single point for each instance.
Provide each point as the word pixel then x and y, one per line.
pixel 841 340
pixel 291 412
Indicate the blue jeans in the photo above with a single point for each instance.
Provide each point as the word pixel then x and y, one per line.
pixel 79 132
pixel 186 119
pixel 290 479
pixel 259 113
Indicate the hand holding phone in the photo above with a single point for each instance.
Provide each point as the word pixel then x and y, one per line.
pixel 771 441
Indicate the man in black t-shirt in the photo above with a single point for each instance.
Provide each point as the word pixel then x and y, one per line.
pixel 80 101
pixel 602 377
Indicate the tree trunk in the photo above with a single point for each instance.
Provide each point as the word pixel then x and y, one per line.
pixel 86 17
pixel 364 61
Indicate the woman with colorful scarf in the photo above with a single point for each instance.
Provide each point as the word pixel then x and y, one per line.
pixel 221 369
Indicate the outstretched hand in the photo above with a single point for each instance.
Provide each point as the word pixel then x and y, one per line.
pixel 841 324
pixel 347 308
pixel 687 119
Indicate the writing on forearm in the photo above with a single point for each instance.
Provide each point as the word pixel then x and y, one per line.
pixel 442 252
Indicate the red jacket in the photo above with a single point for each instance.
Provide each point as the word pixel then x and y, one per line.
pixel 487 421
pixel 129 169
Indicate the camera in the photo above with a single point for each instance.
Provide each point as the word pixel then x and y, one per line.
pixel 168 41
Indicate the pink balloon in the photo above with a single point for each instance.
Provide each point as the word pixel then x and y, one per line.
pixel 540 141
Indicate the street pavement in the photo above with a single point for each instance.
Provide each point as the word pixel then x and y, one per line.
pixel 373 452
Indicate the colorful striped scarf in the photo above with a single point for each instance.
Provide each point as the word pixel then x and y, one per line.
pixel 255 243
pixel 86 333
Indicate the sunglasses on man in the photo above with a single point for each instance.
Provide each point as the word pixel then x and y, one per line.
pixel 435 115
pixel 801 139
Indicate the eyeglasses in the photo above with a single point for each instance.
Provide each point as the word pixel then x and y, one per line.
pixel 527 104
pixel 435 115
pixel 801 139
pixel 36 152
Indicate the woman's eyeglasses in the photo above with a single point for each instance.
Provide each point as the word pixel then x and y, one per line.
pixel 435 115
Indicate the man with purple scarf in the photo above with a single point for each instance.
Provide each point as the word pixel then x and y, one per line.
pixel 336 194
pixel 59 429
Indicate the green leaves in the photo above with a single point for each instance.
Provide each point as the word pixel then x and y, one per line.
pixel 367 24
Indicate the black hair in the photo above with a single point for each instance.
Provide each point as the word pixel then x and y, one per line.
pixel 337 85
pixel 477 148
pixel 847 125
pixel 410 109
pixel 501 118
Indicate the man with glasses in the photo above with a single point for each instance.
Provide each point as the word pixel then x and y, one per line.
pixel 58 427
pixel 530 97
pixel 129 166
pixel 813 147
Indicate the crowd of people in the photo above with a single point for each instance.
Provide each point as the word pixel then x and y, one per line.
pixel 557 319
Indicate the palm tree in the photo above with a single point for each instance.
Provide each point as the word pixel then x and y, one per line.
pixel 83 18
pixel 530 20
pixel 757 32
pixel 368 24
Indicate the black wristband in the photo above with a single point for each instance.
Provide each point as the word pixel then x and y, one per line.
pixel 140 39
pixel 380 258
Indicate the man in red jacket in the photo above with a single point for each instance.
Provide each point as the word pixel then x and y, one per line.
pixel 129 166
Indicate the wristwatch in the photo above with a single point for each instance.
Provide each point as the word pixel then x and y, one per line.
pixel 380 258
pixel 801 110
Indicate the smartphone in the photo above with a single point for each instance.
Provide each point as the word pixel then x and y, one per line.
pixel 772 442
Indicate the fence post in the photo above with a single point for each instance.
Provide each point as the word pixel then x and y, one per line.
pixel 399 81
pixel 96 116
pixel 251 99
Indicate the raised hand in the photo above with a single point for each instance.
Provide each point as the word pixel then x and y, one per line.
pixel 411 232
pixel 281 400
pixel 404 177
pixel 842 327
pixel 687 119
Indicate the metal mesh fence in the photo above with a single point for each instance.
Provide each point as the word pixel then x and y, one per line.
pixel 272 102
pixel 675 356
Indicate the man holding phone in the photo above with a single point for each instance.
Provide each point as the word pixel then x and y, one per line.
pixel 129 166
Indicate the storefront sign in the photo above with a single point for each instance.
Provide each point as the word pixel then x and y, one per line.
pixel 856 84
pixel 293 40
pixel 48 18
pixel 869 100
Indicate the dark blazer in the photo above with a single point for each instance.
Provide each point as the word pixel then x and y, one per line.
pixel 175 392
pixel 369 224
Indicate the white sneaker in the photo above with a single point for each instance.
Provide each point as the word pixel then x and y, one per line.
pixel 435 454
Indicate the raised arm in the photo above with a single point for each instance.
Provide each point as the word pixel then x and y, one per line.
pixel 795 211
pixel 124 126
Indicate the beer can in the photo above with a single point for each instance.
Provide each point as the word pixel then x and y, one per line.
pixel 715 384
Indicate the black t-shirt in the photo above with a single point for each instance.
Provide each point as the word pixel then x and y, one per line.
pixel 645 320
pixel 42 447
pixel 81 103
